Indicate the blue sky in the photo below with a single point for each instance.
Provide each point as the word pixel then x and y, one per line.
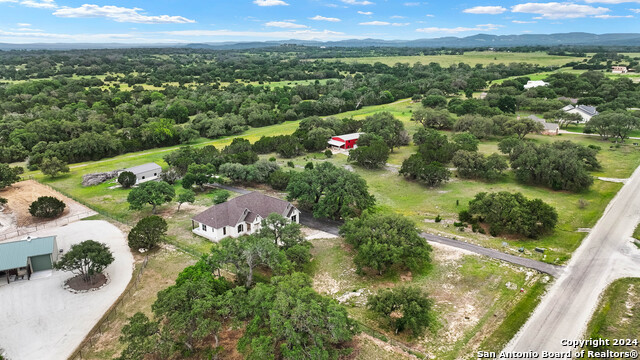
pixel 142 21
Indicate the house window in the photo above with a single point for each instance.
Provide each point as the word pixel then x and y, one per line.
pixel 240 228
pixel 294 218
pixel 224 230
pixel 204 227
pixel 142 177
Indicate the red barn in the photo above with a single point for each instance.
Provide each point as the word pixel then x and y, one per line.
pixel 347 141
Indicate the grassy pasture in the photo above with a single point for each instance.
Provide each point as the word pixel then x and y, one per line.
pixel 472 58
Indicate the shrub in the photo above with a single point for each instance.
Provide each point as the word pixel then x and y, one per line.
pixel 47 207
pixel 272 158
pixel 127 179
pixel 147 233
pixel 309 166
pixel 221 197
pixel 328 153
pixel 291 164
pixel 438 218
pixel 279 179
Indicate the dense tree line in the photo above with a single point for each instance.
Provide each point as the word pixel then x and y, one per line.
pixel 83 119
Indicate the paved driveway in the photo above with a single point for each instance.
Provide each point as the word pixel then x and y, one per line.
pixel 605 255
pixel 41 320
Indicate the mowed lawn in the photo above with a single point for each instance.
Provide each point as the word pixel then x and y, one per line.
pixel 471 58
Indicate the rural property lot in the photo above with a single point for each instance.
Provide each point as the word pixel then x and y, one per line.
pixel 20 196
pixel 41 320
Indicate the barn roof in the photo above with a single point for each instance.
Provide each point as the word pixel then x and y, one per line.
pixel 144 168
pixel 14 254
pixel 351 136
pixel 243 208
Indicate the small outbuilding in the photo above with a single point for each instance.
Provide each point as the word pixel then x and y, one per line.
pixel 145 172
pixel 346 141
pixel 535 84
pixel 24 257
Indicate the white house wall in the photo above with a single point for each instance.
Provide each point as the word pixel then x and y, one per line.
pixel 232 231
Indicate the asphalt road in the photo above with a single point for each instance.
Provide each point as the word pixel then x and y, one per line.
pixel 605 255
pixel 331 227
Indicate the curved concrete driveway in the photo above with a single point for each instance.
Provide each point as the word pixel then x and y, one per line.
pixel 41 320
pixel 604 256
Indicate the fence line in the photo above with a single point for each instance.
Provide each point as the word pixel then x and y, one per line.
pixel 50 224
pixel 108 316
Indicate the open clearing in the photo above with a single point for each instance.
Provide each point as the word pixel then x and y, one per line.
pixel 471 58
pixel 41 320
pixel 472 295
pixel 20 196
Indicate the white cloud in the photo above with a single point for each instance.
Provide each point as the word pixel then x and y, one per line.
pixel 556 10
pixel 23 24
pixel 357 2
pixel 523 22
pixel 41 4
pixel 412 4
pixel 376 23
pixel 76 37
pixel 290 34
pixel 285 25
pixel 611 1
pixel 637 11
pixel 430 15
pixel 8 1
pixel 400 24
pixel 322 18
pixel 365 13
pixel 486 10
pixel 612 16
pixel 269 2
pixel 483 27
pixel 397 17
pixel 118 14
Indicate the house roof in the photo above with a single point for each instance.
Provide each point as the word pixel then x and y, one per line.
pixel 14 254
pixel 243 208
pixel 144 168
pixel 547 126
pixel 567 108
pixel 346 137
pixel 591 110
pixel 335 142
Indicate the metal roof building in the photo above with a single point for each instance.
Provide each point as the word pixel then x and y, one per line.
pixel 145 172
pixel 29 255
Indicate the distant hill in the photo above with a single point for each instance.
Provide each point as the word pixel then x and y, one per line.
pixel 480 40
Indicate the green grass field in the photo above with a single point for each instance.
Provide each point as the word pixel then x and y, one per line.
pixel 471 58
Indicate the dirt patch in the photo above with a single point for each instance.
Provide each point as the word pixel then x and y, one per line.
pixel 77 283
pixel 398 353
pixel 20 196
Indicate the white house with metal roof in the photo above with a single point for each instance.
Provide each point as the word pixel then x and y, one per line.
pixel 242 215
pixel 145 172
pixel 585 111
pixel 24 257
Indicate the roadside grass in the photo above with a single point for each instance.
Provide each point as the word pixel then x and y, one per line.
pixel 161 271
pixel 636 233
pixel 472 295
pixel 618 315
pixel 470 57
pixel 516 319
